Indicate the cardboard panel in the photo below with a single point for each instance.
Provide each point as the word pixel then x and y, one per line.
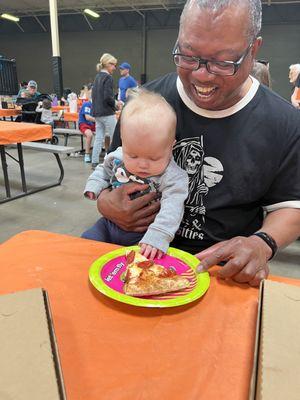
pixel 29 365
pixel 278 344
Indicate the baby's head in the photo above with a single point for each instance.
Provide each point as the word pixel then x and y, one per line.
pixel 47 104
pixel 148 127
pixel 25 94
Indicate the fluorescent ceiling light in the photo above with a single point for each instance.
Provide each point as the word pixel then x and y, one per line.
pixel 91 13
pixel 10 17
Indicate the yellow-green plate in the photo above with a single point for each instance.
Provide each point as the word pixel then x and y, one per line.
pixel 107 272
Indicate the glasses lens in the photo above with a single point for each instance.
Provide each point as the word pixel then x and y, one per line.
pixel 220 68
pixel 185 62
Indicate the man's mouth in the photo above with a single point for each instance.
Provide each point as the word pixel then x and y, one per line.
pixel 204 92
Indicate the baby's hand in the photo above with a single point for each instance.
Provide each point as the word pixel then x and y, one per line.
pixel 150 252
pixel 90 195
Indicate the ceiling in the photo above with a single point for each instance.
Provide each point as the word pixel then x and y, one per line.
pixel 31 8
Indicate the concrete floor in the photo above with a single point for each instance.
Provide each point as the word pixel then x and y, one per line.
pixel 64 210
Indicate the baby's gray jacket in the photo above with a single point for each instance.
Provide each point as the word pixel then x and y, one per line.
pixel 173 185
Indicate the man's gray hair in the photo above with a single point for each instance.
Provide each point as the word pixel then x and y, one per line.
pixel 254 7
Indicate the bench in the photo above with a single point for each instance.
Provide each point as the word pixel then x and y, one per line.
pixel 66 132
pixel 48 148
pixel 41 147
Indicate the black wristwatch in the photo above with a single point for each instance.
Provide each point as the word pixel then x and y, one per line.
pixel 269 241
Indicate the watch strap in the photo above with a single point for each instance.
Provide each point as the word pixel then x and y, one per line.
pixel 269 241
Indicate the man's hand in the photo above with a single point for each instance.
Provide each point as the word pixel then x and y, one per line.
pixel 246 259
pixel 131 215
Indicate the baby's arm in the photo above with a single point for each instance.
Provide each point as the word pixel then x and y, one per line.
pixel 39 107
pixel 150 252
pixel 174 189
pixel 100 178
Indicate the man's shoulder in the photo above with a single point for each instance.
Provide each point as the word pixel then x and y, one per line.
pixel 163 83
pixel 275 106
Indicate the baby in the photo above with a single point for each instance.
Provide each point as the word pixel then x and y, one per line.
pixel 44 107
pixel 148 125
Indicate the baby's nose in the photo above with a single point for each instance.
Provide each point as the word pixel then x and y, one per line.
pixel 143 163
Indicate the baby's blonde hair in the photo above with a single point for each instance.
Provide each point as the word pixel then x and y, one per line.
pixel 151 107
pixel 106 59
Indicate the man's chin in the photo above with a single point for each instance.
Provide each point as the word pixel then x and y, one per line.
pixel 205 104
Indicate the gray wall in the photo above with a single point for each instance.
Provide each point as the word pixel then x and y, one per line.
pixel 281 46
pixel 80 52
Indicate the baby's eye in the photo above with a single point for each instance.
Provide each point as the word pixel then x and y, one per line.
pixel 154 158
pixel 132 156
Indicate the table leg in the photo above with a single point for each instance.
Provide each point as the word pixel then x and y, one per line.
pixel 21 164
pixel 4 167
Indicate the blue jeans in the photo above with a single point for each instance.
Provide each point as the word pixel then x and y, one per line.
pixel 106 231
pixel 104 126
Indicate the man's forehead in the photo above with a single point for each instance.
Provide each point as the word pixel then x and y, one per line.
pixel 185 45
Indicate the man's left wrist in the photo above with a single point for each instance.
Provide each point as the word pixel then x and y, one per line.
pixel 269 241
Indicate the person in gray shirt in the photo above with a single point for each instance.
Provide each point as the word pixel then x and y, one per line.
pixel 148 125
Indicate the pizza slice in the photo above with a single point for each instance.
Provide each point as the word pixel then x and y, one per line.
pixel 145 278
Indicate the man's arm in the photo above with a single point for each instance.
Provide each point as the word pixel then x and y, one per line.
pixel 247 257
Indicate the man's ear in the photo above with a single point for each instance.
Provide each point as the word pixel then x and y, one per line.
pixel 256 46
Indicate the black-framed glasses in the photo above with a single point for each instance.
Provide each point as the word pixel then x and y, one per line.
pixel 264 62
pixel 224 68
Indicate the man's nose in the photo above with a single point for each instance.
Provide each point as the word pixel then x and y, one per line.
pixel 202 74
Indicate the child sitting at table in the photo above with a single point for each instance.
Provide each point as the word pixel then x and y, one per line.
pixel 148 126
pixel 44 107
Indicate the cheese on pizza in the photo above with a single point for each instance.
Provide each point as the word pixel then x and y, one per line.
pixel 145 278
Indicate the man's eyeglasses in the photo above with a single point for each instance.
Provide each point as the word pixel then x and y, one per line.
pixel 264 62
pixel 224 68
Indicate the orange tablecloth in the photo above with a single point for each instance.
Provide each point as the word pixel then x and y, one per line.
pixel 18 132
pixel 9 112
pixel 113 351
pixel 59 108
pixel 70 117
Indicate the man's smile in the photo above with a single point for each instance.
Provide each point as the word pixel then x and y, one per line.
pixel 204 92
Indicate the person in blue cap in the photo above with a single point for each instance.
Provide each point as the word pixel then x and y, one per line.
pixel 126 81
pixel 32 90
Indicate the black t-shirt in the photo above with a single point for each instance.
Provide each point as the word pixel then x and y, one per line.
pixel 239 162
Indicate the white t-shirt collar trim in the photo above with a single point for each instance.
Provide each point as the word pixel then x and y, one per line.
pixel 221 113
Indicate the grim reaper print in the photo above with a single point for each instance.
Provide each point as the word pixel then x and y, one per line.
pixel 204 172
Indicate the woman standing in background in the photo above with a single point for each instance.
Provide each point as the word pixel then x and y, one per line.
pixel 294 76
pixel 104 105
